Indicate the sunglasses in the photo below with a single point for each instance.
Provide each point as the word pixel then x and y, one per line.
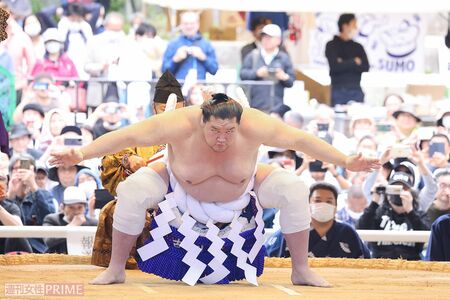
pixel 218 98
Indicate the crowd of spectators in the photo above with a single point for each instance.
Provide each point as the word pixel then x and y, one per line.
pixel 410 192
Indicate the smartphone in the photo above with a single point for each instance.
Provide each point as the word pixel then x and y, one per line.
pixel 436 147
pixel 25 164
pixel 41 86
pixel 73 141
pixel 384 127
pixel 323 126
pixel 400 150
pixel 102 197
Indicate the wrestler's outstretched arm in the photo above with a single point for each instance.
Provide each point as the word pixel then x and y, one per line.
pixel 157 130
pixel 275 133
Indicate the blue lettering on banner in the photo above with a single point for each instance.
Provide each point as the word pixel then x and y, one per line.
pixel 396 65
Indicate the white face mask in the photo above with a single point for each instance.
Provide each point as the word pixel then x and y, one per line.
pixel 354 215
pixel 322 212
pixel 446 122
pixel 88 187
pixel 53 47
pixel 33 29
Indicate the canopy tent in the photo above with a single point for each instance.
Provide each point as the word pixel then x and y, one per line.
pixel 380 6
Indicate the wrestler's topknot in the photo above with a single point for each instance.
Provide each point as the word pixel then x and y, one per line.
pixel 221 106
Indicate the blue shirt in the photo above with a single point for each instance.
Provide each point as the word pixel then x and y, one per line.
pixel 181 68
pixel 439 243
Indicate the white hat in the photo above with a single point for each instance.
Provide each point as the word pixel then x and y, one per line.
pixel 73 195
pixel 52 34
pixel 272 30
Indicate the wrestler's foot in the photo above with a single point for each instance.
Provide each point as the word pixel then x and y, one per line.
pixel 109 276
pixel 305 276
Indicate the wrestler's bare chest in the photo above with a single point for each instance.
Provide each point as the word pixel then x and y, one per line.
pixel 211 176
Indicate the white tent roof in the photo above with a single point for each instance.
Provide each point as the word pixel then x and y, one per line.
pixel 356 6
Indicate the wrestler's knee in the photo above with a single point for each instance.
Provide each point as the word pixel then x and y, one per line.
pixel 144 188
pixel 286 191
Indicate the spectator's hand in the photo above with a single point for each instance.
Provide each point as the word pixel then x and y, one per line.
pixel 136 162
pixel 331 168
pixel 386 156
pixel 407 201
pixel 281 75
pixel 198 53
pixel 417 156
pixel 78 220
pixel 181 54
pixel 358 61
pixel 91 205
pixel 438 160
pixel 66 157
pixel 262 72
pixel 14 186
pixel 28 179
pixel 357 163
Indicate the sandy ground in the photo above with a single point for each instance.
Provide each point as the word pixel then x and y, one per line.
pixel 273 284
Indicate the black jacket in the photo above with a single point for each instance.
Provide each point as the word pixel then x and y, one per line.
pixel 376 217
pixel 346 72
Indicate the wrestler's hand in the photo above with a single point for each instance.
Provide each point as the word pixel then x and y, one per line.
pixel 358 163
pixel 136 162
pixel 65 157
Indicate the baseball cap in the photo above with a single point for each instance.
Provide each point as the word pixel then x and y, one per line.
pixel 74 195
pixel 35 107
pixel 272 30
pixel 53 172
pixel 406 109
pixel 402 177
pixel 52 34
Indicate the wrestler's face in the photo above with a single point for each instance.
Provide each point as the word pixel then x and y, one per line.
pixel 220 133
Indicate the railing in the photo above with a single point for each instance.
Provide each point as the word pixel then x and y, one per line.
pixel 64 231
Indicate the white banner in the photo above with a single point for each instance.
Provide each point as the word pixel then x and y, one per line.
pixel 393 42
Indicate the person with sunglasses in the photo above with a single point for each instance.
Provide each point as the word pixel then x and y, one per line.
pixel 213 180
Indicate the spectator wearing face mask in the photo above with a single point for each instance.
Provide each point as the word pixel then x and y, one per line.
pixel 395 208
pixel 347 60
pixel 76 33
pixel 32 26
pixel 327 237
pixel 355 203
pixel 72 214
pixel 55 61
pixel 88 182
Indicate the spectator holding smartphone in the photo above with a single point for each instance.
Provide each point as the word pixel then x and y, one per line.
pixel 34 203
pixel 395 208
pixel 439 151
pixel 72 214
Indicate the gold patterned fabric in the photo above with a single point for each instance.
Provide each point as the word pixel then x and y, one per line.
pixel 113 172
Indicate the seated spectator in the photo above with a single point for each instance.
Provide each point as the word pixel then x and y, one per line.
pixel 54 122
pixel 440 157
pixel 439 243
pixel 293 119
pixel 32 26
pixel 10 216
pixel 20 139
pixel 33 117
pixel 44 92
pixel 406 124
pixel 395 209
pixel 108 117
pixel 34 203
pixel 441 206
pixel 88 182
pixel 355 203
pixel 55 61
pixel 72 214
pixel 443 121
pixel 327 238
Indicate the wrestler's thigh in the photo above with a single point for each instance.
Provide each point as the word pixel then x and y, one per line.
pixel 262 171
pixel 161 169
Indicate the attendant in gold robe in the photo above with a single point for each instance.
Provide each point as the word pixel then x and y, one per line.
pixel 116 168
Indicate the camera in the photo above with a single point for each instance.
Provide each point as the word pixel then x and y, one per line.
pixel 393 192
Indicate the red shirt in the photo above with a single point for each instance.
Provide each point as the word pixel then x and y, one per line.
pixel 63 67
